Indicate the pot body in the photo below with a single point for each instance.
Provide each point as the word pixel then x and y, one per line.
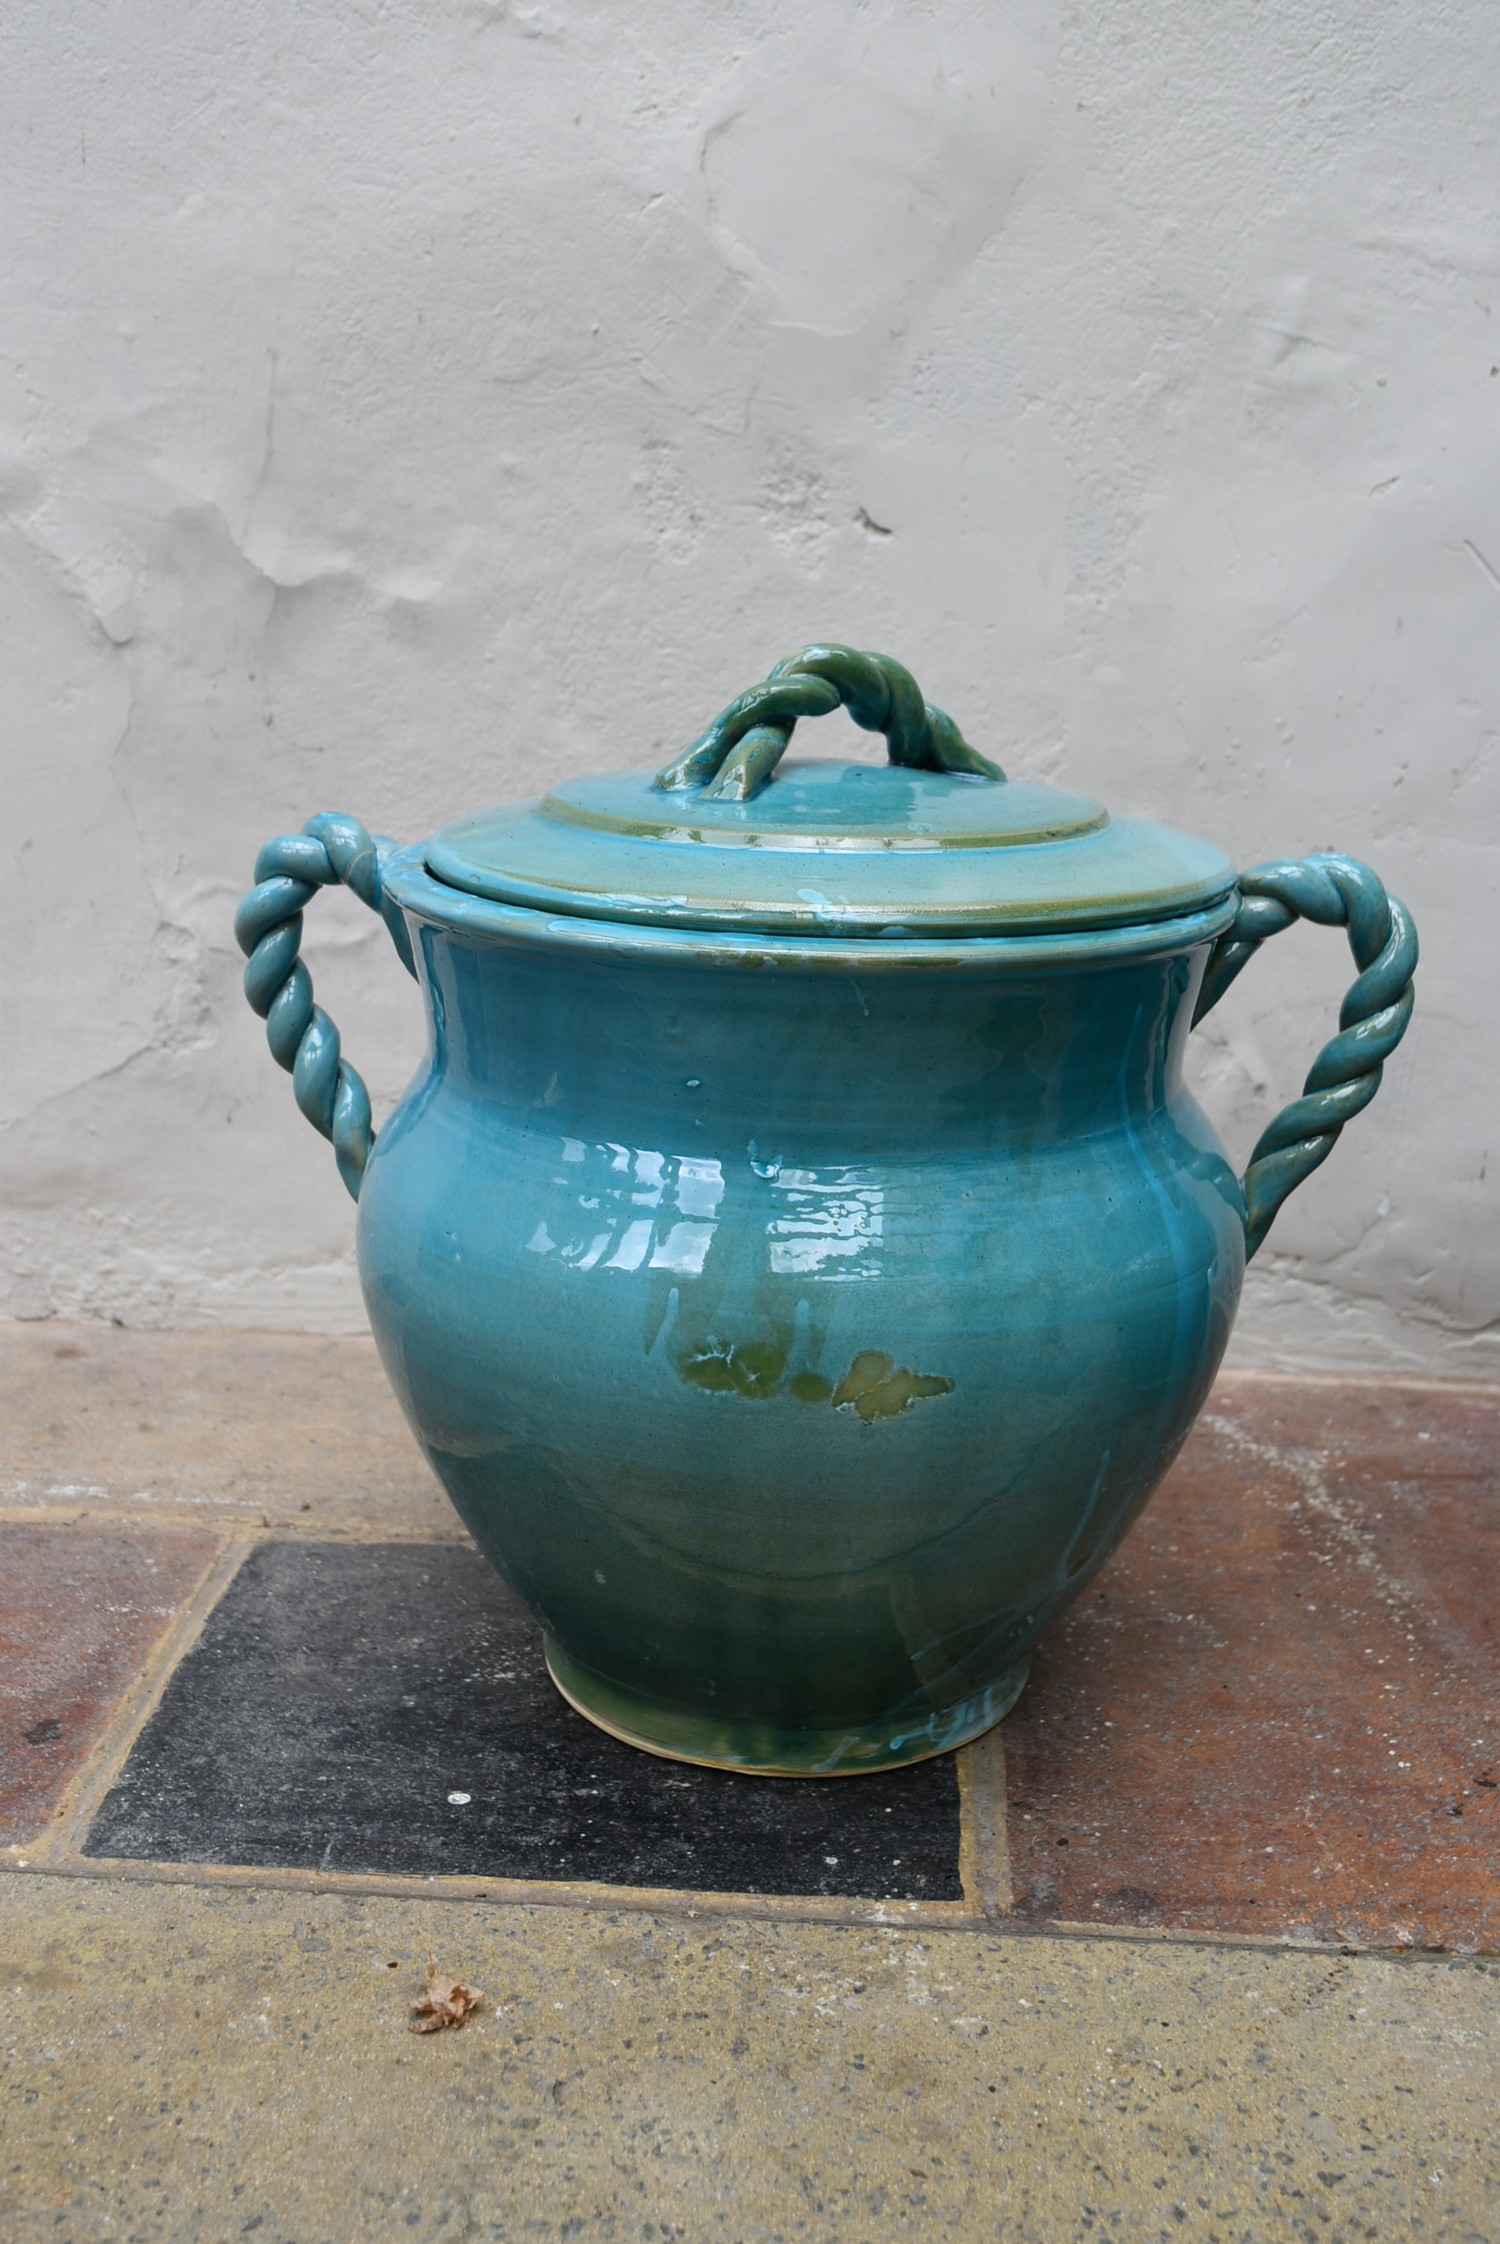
pixel 798 1336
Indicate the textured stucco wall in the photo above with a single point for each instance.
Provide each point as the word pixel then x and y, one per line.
pixel 400 406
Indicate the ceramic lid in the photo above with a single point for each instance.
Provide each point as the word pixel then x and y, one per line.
pixel 936 842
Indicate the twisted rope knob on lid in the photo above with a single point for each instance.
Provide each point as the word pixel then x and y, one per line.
pixel 736 756
pixel 1336 892
pixel 268 926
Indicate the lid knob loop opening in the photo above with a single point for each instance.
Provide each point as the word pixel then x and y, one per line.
pixel 738 753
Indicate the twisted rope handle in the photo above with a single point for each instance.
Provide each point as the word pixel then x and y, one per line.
pixel 735 758
pixel 1336 892
pixel 268 926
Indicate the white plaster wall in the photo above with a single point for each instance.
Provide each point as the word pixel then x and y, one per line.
pixel 402 405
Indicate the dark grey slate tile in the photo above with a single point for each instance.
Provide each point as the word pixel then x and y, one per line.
pixel 341 1692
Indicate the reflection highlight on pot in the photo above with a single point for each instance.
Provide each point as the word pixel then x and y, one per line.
pixel 635 1208
pixel 829 1224
pixel 679 1192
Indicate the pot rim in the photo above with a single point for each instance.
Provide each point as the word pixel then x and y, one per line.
pixel 409 886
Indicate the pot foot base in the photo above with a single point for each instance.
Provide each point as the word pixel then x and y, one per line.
pixel 674 1734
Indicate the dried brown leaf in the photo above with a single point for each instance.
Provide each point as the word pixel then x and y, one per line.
pixel 442 2002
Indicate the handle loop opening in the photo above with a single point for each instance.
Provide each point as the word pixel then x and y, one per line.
pixel 735 758
pixel 268 927
pixel 1336 892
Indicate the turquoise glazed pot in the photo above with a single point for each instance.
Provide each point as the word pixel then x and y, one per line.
pixel 798 1255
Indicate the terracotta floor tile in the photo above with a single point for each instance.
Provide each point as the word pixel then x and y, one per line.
pixel 1278 1708
pixel 80 1609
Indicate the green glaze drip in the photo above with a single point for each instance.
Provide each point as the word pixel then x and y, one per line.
pixel 752 1368
pixel 874 1386
pixel 878 1388
pixel 811 1387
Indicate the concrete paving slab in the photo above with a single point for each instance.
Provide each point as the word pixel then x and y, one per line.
pixel 185 2064
pixel 248 1429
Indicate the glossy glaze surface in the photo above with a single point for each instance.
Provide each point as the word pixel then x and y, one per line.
pixel 797 1335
